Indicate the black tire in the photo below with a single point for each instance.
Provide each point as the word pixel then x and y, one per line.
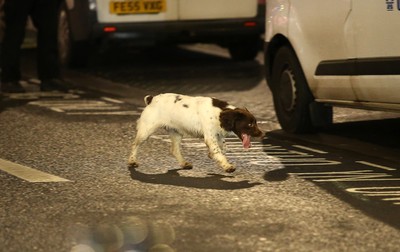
pixel 245 49
pixel 293 99
pixel 71 53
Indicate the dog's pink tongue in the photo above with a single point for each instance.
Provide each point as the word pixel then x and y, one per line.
pixel 246 141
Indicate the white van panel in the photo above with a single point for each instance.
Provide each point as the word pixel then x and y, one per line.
pixel 216 9
pixel 376 37
pixel 104 15
pixel 378 88
pixel 313 42
pixel 376 29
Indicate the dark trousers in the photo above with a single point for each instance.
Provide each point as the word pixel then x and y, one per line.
pixel 44 14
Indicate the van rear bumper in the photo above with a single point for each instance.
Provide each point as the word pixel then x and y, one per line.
pixel 217 31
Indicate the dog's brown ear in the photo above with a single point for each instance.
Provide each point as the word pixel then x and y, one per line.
pixel 228 118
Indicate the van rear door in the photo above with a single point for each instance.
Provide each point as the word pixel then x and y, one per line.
pixel 216 9
pixel 115 11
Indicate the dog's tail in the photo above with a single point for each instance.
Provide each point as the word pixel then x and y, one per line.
pixel 148 99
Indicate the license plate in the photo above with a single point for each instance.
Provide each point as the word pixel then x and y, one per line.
pixel 137 6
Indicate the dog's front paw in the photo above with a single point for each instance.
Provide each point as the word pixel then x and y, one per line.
pixel 229 168
pixel 133 165
pixel 187 166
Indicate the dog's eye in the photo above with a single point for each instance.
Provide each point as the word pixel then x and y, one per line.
pixel 251 125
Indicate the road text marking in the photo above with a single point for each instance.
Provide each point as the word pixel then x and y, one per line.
pixel 391 193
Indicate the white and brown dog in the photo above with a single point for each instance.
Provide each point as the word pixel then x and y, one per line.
pixel 206 117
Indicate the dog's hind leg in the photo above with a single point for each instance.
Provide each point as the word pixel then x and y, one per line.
pixel 143 133
pixel 176 140
pixel 132 163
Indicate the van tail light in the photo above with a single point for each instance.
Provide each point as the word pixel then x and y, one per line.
pixel 109 29
pixel 250 24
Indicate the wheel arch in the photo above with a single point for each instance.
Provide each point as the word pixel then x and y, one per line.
pixel 270 50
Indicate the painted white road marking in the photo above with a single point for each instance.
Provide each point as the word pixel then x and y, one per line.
pixel 105 113
pixel 27 173
pixel 38 95
pixel 34 81
pixel 57 110
pixel 107 106
pixel 296 162
pixel 390 193
pixel 310 149
pixel 346 176
pixel 376 165
pixel 260 154
pixel 112 100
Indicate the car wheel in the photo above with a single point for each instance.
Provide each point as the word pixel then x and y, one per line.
pixel 71 53
pixel 246 49
pixel 294 104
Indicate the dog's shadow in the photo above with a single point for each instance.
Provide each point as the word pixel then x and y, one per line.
pixel 172 177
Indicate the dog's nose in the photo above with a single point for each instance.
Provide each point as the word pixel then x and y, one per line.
pixel 259 133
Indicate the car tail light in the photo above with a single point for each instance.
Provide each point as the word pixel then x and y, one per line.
pixel 261 1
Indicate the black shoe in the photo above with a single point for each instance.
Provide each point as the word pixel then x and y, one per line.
pixel 12 87
pixel 54 84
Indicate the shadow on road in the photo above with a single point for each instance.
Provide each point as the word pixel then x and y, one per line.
pixel 172 177
pixel 379 132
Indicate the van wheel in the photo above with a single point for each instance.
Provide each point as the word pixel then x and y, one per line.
pixel 71 53
pixel 246 49
pixel 294 104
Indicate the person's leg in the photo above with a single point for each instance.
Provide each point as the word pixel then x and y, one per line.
pixel 45 18
pixel 15 16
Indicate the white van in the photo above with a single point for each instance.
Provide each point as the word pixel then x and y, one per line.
pixel 235 24
pixel 331 52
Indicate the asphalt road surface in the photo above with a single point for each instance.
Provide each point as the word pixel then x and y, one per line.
pixel 65 185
